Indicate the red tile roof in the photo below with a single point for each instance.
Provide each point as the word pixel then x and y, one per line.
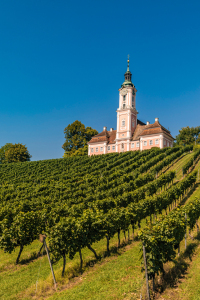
pixel 104 136
pixel 137 132
pixel 155 128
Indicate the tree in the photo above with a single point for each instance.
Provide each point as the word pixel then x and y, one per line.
pixel 77 136
pixel 17 153
pixel 81 151
pixel 3 150
pixel 188 136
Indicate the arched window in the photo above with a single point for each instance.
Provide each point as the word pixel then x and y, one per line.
pixel 122 146
pixel 123 122
pixel 124 98
pixel 124 105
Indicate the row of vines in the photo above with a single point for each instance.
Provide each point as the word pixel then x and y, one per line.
pixel 77 202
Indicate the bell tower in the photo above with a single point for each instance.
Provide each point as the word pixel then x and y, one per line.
pixel 126 113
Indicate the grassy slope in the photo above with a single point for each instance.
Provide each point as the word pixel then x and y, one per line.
pixel 113 280
pixel 19 282
pixel 186 284
pixel 109 278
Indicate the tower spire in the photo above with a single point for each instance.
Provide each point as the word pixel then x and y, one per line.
pixel 128 63
pixel 127 75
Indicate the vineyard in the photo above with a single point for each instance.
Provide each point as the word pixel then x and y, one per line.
pixel 82 205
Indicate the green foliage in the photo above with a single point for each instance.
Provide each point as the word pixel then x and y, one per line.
pixel 22 230
pixel 17 153
pixel 162 238
pixel 81 151
pixel 77 201
pixel 3 150
pixel 192 161
pixel 196 147
pixel 77 136
pixel 188 136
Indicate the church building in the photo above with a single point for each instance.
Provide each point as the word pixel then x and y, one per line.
pixel 131 133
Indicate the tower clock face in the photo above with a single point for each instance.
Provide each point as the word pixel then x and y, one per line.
pixel 124 92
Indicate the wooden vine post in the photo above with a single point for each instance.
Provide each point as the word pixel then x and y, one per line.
pixel 146 273
pixel 42 240
pixel 186 231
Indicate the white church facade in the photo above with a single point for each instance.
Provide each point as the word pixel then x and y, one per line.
pixel 131 133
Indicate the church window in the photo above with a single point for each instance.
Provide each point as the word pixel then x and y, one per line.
pixel 101 149
pixel 108 147
pixel 132 145
pixel 133 101
pixel 92 149
pixel 113 147
pixel 156 142
pixel 123 122
pixel 151 142
pixel 124 98
pixel 133 123
pixel 122 146
pixel 97 149
pixel 124 105
pixel 145 143
pixel 138 144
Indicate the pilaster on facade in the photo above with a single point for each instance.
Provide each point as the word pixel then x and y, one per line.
pixel 117 147
pixel 161 141
pixel 105 148
pixel 141 144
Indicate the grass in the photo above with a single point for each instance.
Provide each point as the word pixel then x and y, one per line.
pixel 183 274
pixel 19 281
pixel 119 278
pixel 179 164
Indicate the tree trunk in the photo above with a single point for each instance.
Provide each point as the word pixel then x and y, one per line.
pixel 95 254
pixel 179 250
pixel 118 238
pixel 128 236
pixel 20 252
pixel 108 250
pixel 125 235
pixel 39 252
pixel 190 235
pixel 153 281
pixel 64 264
pixel 197 227
pixel 133 230
pixel 81 259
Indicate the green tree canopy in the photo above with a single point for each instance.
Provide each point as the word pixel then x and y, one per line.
pixel 3 150
pixel 17 153
pixel 81 151
pixel 188 136
pixel 77 136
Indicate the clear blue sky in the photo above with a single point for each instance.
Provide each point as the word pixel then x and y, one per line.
pixel 62 61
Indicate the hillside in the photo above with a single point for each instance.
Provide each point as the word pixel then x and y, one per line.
pixel 95 196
